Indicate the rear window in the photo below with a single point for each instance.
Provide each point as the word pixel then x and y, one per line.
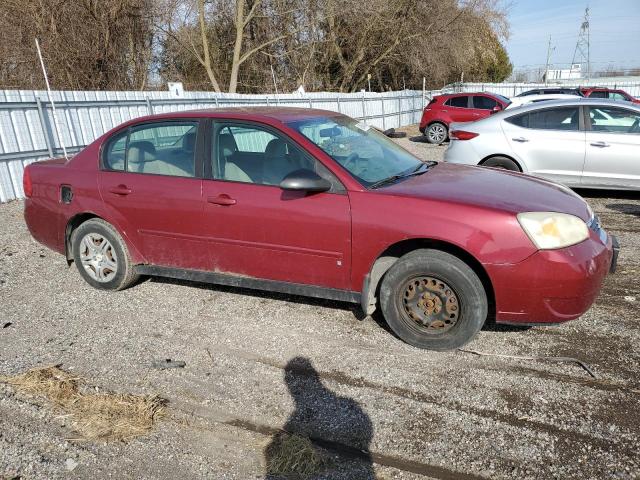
pixel 461 102
pixel 562 118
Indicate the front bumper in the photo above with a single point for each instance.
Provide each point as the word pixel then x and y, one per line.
pixel 553 286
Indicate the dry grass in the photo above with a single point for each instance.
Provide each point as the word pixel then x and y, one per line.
pixel 293 456
pixel 95 416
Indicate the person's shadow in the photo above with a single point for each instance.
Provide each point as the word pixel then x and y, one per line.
pixel 321 418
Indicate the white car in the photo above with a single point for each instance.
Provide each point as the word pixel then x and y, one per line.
pixel 520 101
pixel 591 143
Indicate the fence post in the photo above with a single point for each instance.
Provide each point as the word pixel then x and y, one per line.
pixel 48 138
pixel 384 123
pixel 310 103
pixel 338 99
pixel 267 100
pixel 216 99
pixel 400 111
pixel 149 106
pixel 364 107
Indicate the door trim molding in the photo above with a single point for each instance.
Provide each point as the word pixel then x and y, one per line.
pixel 232 280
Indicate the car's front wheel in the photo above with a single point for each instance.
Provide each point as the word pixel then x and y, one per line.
pixel 436 133
pixel 101 256
pixel 433 300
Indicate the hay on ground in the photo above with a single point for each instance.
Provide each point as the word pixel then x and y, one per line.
pixel 95 416
pixel 293 456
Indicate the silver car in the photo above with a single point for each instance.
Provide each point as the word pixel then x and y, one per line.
pixel 591 143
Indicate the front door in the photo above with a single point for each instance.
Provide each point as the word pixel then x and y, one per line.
pixel 613 148
pixel 255 228
pixel 549 141
pixel 151 184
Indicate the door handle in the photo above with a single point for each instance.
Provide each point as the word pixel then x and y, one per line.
pixel 520 139
pixel 120 190
pixel 222 199
pixel 600 144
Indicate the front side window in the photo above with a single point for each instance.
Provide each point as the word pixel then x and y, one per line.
pixel 617 96
pixel 614 120
pixel 163 148
pixel 460 102
pixel 561 118
pixel 253 154
pixel 484 103
pixel 599 94
pixel 367 154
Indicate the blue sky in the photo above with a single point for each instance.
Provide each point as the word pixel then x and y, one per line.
pixel 614 29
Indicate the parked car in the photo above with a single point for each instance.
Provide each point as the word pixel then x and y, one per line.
pixel 520 101
pixel 310 202
pixel 582 143
pixel 612 94
pixel 457 107
pixel 552 91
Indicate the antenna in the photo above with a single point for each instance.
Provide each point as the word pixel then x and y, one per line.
pixel 581 53
pixel 53 105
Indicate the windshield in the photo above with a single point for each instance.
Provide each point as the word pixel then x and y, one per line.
pixel 366 153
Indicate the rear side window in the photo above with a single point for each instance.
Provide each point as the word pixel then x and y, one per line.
pixel 617 96
pixel 600 94
pixel 562 118
pixel 461 102
pixel 484 103
pixel 162 148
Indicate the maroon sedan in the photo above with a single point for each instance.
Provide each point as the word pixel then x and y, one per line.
pixel 310 202
pixel 610 93
pixel 443 110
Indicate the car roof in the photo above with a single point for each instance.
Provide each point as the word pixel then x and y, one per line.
pixel 565 103
pixel 466 94
pixel 282 114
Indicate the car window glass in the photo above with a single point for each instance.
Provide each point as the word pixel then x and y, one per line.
pixel 166 148
pixel 563 118
pixel 617 96
pixel 599 94
pixel 252 154
pixel 484 103
pixel 614 120
pixel 115 152
pixel 460 102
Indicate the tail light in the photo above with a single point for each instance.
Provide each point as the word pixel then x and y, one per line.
pixel 27 186
pixel 462 135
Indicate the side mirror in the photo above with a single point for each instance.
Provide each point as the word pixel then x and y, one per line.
pixel 305 180
pixel 496 109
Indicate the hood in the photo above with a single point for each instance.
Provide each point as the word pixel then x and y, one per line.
pixel 491 188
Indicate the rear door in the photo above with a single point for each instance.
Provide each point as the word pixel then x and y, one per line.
pixel 255 228
pixel 483 105
pixel 549 141
pixel 151 184
pixel 460 109
pixel 613 147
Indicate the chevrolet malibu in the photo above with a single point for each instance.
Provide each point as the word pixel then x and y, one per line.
pixel 313 203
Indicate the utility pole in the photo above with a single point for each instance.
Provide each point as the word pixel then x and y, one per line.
pixel 582 53
pixel 546 70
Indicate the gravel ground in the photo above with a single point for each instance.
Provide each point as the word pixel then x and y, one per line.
pixel 259 362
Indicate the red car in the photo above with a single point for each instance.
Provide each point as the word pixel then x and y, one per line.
pixel 443 110
pixel 310 202
pixel 611 94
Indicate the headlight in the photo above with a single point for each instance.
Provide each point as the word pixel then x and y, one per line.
pixel 549 230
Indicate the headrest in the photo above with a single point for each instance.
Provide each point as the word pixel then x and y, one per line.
pixel 189 142
pixel 276 148
pixel 226 144
pixel 141 151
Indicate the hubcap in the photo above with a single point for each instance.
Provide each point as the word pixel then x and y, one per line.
pixel 437 133
pixel 98 257
pixel 429 304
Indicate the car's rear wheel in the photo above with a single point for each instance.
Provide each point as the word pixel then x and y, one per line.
pixel 433 300
pixel 101 256
pixel 436 133
pixel 502 162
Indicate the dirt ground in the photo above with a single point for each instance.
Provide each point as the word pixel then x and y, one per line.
pixel 258 364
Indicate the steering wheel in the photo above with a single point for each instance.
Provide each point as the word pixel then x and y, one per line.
pixel 350 162
pixel 635 128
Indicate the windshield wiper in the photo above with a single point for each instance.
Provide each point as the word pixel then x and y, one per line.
pixel 419 170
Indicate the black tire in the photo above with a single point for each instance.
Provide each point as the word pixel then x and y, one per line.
pixel 391 133
pixel 457 279
pixel 436 133
pixel 502 162
pixel 119 278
